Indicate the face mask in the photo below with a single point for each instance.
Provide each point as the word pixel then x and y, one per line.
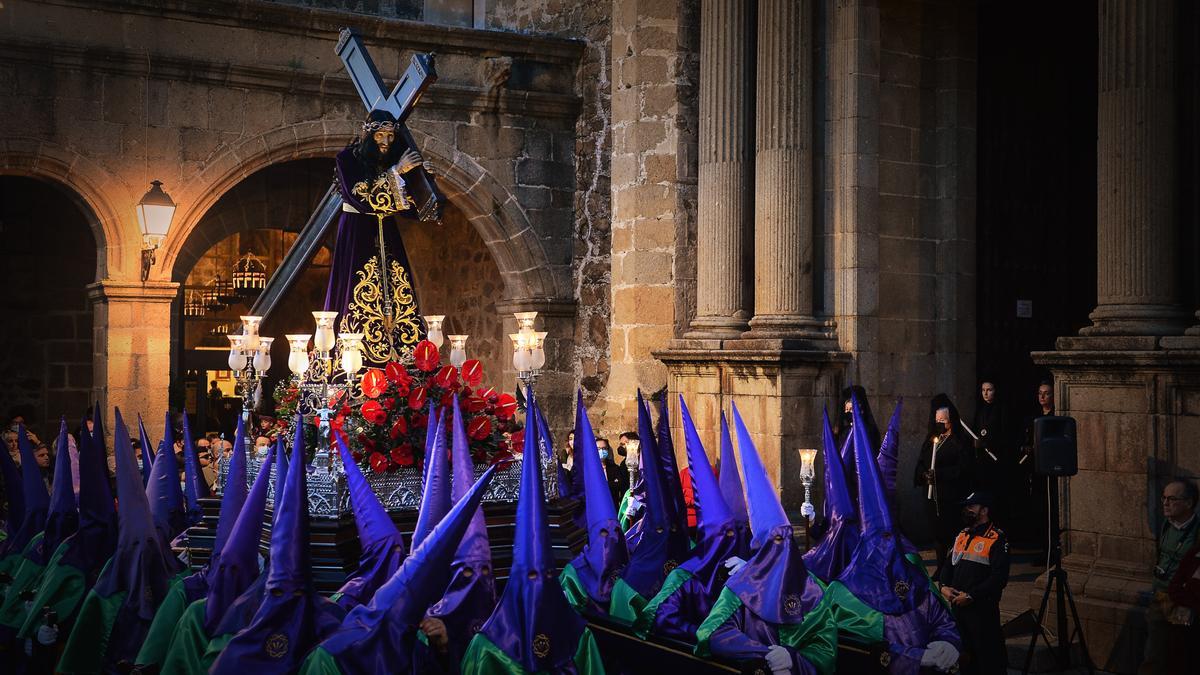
pixel 969 518
pixel 603 453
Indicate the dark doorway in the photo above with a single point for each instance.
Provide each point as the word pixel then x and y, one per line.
pixel 47 259
pixel 1037 185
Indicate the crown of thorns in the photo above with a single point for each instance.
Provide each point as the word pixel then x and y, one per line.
pixel 372 126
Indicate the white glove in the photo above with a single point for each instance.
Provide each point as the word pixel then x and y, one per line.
pixel 47 635
pixel 941 655
pixel 779 660
pixel 734 565
pixel 808 511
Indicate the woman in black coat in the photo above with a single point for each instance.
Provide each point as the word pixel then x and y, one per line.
pixel 946 476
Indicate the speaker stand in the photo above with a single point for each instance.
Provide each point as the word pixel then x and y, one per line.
pixel 1056 580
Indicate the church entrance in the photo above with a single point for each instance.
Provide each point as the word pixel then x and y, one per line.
pixel 47 261
pixel 1036 249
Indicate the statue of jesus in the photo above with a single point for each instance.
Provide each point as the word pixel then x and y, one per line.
pixel 370 285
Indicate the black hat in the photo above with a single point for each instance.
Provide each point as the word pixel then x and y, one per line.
pixel 981 498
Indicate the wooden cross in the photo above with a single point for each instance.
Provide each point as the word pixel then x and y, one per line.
pixel 421 186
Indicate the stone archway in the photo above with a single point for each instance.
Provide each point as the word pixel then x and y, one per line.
pixel 490 207
pixel 46 266
pixel 85 184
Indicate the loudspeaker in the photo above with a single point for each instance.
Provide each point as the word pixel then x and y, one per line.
pixel 1054 449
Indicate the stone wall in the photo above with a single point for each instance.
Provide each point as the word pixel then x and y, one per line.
pixel 590 22
pixel 214 91
pixel 899 219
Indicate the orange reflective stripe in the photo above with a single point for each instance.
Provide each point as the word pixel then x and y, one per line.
pixel 976 548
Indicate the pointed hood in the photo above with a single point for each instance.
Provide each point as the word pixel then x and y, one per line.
pixel 141 568
pixel 433 422
pixel 95 495
pixel 435 497
pixel 372 637
pixel 878 573
pixel 717 533
pixel 670 468
pixel 766 512
pixel 37 499
pixel 15 492
pixel 237 568
pixel 888 457
pixel 829 557
pixel 282 462
pixel 605 555
pixel 290 565
pixel 62 520
pixel 712 513
pixel 730 482
pixel 774 582
pixel 194 486
pixel 533 623
pixel 470 596
pixel 382 546
pixel 233 496
pixel 546 447
pixel 163 491
pixel 147 451
pixel 233 499
pixel 292 617
pixel 662 545
pixel 96 539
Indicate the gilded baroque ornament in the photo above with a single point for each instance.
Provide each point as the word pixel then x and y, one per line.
pixel 384 338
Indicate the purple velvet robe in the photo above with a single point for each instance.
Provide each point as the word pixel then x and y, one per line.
pixel 746 635
pixel 354 290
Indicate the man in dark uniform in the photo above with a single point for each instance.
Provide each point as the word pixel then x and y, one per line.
pixel 973 577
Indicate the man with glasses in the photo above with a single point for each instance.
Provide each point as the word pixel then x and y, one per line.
pixel 1176 536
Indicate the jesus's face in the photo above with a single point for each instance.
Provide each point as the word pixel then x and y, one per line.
pixel 384 139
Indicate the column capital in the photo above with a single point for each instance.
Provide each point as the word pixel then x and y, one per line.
pixel 109 290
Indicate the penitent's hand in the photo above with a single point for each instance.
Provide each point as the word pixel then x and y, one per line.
pixel 435 630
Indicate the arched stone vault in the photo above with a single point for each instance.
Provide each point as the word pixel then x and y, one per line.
pixel 86 184
pixel 490 207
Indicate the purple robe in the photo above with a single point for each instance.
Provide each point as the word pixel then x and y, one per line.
pixel 354 277
pixel 745 635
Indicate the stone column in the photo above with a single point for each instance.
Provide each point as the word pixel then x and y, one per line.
pixel 783 162
pixel 1137 284
pixel 726 182
pixel 132 359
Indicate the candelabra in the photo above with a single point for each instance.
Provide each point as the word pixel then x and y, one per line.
pixel 529 353
pixel 249 359
pixel 808 472
pixel 319 383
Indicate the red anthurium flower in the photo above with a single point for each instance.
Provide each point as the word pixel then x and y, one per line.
pixel 403 455
pixel 379 463
pixel 416 398
pixel 475 404
pixel 517 440
pixel 506 406
pixel 371 410
pixel 472 372
pixel 398 429
pixel 395 372
pixel 426 356
pixel 479 428
pixel 356 455
pixel 373 383
pixel 447 376
pixel 487 393
pixel 389 403
pixel 418 420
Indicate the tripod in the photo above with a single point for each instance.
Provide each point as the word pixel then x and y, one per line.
pixel 1056 580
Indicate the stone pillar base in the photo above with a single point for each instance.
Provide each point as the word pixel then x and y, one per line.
pixel 803 332
pixel 1136 403
pixel 779 391
pixel 1136 320
pixel 716 328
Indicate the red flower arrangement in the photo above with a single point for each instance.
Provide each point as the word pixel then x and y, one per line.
pixel 387 430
